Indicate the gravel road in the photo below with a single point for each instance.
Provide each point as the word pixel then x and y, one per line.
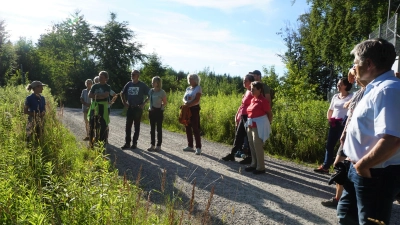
pixel 287 194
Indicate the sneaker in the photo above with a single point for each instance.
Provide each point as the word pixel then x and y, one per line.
pixel 133 146
pixel 151 148
pixel 250 169
pixel 86 139
pixel 247 160
pixel 198 151
pixel 258 172
pixel 238 154
pixel 188 149
pixel 321 169
pixel 229 157
pixel 157 149
pixel 126 146
pixel 333 202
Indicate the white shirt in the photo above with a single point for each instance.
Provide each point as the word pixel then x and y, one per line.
pixel 377 114
pixel 190 94
pixel 337 106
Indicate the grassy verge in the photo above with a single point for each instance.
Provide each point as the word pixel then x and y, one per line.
pixel 58 181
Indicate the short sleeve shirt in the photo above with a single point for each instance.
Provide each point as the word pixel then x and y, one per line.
pixel 246 100
pixel 337 106
pixel 191 93
pixel 156 98
pixel 135 93
pixel 35 103
pixel 100 89
pixel 376 114
pixel 85 98
pixel 258 107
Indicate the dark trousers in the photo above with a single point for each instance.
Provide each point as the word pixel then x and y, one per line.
pixel 133 116
pixel 98 129
pixel 194 127
pixel 365 198
pixel 156 117
pixel 333 137
pixel 240 135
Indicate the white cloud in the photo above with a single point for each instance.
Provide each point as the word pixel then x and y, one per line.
pixel 225 4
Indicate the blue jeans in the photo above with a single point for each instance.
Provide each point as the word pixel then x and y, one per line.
pixel 365 198
pixel 333 137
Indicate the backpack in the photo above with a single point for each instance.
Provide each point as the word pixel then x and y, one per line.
pixel 184 115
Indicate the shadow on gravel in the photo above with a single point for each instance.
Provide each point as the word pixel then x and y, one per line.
pixel 275 176
pixel 225 187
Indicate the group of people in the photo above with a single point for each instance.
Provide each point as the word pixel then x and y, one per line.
pixel 366 123
pixel 253 123
pixel 368 127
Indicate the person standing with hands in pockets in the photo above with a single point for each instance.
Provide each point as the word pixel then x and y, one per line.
pixel 158 101
pixel 133 98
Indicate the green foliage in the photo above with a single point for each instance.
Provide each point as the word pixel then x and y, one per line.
pixel 116 51
pixel 8 56
pixel 57 181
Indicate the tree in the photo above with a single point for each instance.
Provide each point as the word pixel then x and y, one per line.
pixel 116 51
pixel 7 54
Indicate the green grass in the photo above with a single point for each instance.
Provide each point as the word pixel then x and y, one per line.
pixel 58 181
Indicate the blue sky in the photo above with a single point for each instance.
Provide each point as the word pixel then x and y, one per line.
pixel 228 36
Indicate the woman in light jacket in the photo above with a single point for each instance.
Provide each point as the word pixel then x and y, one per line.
pixel 258 127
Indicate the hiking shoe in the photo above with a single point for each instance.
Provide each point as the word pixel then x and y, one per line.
pixel 321 169
pixel 250 169
pixel 126 146
pixel 157 149
pixel 238 154
pixel 258 172
pixel 133 146
pixel 333 202
pixel 188 149
pixel 229 157
pixel 247 160
pixel 151 148
pixel 86 139
pixel 198 151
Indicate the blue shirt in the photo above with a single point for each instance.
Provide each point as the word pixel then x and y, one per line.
pixel 376 114
pixel 135 93
pixel 35 103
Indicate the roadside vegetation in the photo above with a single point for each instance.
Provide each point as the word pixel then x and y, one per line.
pixel 59 181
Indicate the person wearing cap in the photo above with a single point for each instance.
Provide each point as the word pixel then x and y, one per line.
pixel 98 111
pixel 267 89
pixel 85 101
pixel 35 108
pixel 132 96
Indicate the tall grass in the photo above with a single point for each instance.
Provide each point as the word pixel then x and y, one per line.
pixel 58 181
pixel 299 128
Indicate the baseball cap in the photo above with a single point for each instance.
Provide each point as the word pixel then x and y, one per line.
pixel 256 72
pixel 37 84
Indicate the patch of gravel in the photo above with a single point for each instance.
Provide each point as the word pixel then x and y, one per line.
pixel 288 193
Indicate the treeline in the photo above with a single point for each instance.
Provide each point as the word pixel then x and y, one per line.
pixel 319 44
pixel 72 51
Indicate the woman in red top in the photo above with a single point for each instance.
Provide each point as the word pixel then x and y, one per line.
pixel 240 119
pixel 258 127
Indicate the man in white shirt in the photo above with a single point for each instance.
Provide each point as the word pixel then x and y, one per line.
pixel 373 138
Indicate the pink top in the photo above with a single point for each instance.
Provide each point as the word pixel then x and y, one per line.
pixel 258 107
pixel 246 100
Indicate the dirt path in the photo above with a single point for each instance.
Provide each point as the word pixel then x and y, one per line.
pixel 287 194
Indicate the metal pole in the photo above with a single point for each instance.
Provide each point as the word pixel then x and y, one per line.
pixel 387 21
